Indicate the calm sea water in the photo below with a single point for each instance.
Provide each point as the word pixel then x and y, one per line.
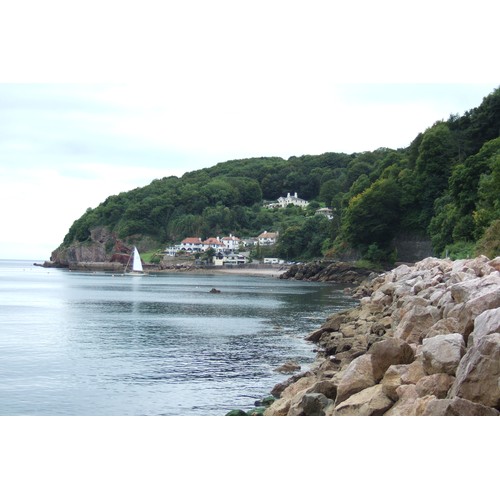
pixel 96 344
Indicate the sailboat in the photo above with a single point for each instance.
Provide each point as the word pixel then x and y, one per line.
pixel 137 269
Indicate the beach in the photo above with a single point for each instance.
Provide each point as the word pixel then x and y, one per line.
pixel 271 271
pixel 243 271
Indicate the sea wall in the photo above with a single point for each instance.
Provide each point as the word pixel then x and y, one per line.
pixel 424 340
pixel 412 247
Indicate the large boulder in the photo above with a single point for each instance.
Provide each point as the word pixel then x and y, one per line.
pixel 437 385
pixel 495 263
pixel 358 376
pixel 416 323
pixel 486 323
pixel 443 353
pixel 281 406
pixel 473 297
pixel 392 380
pixel 409 402
pixel 478 374
pixel 278 389
pixel 389 352
pixel 368 402
pixel 458 407
pixel 311 404
pixel 325 387
pixel 443 327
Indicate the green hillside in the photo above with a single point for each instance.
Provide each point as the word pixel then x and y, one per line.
pixel 445 186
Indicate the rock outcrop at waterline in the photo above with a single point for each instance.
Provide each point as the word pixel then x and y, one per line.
pixel 323 271
pixel 103 251
pixel 424 340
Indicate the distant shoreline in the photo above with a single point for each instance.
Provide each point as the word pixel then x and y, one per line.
pixel 237 271
pixel 260 270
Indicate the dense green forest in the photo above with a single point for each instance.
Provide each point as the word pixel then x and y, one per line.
pixel 444 186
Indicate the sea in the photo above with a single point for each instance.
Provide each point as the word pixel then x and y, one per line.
pixel 103 344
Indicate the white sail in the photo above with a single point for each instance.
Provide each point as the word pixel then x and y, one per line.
pixel 137 264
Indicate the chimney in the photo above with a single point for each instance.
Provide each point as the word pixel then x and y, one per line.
pixel 296 194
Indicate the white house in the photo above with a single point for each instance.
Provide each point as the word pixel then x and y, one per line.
pixel 326 212
pixel 191 245
pixel 249 242
pixel 267 238
pixel 283 202
pixel 231 243
pixel 234 259
pixel 171 251
pixel 214 243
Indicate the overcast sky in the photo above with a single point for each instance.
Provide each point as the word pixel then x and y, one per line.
pixel 98 101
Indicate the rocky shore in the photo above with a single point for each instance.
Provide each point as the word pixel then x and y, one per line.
pixel 424 340
pixel 324 271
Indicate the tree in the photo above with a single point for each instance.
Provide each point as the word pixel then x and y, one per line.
pixel 488 206
pixel 373 216
pixel 437 152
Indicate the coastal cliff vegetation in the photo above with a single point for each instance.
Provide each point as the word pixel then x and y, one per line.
pixel 444 187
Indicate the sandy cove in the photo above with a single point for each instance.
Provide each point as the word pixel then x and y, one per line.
pixel 270 272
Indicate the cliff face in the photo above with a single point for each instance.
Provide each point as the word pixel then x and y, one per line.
pixel 425 340
pixel 103 246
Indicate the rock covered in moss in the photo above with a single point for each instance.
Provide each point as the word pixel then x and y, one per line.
pixel 236 413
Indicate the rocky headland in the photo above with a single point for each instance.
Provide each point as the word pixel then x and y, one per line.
pixel 102 251
pixel 424 340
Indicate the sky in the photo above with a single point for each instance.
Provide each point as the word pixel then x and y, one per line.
pixel 103 97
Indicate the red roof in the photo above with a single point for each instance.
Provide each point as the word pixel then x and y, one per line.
pixel 212 241
pixel 265 234
pixel 194 241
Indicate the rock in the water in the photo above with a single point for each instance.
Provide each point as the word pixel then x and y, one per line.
pixel 236 413
pixel 288 367
pixel 256 412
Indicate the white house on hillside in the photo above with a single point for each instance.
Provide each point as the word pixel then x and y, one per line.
pixel 214 243
pixel 231 242
pixel 283 202
pixel 267 238
pixel 194 245
pixel 326 212
pixel 292 200
pixel 191 245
